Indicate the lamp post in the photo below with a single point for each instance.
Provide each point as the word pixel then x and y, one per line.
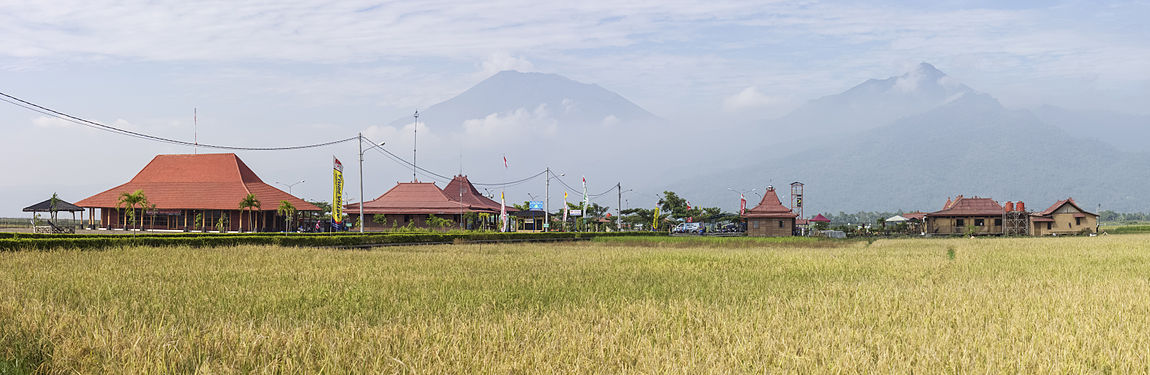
pixel 289 186
pixel 373 145
pixel 547 201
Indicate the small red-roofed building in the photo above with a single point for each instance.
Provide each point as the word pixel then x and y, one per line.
pixel 183 186
pixel 770 218
pixel 1063 217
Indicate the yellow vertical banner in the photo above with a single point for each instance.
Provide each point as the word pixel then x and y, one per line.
pixel 655 221
pixel 337 191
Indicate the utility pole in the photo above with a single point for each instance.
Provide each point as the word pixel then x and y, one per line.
pixel 361 221
pixel 547 202
pixel 619 208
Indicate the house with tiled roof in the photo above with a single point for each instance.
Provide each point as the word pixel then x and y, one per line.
pixel 407 203
pixel 184 186
pixel 410 203
pixel 966 215
pixel 1063 217
pixel 770 218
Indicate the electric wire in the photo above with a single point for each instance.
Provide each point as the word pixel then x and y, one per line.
pixel 115 130
pixel 97 125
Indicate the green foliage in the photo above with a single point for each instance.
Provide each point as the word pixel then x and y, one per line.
pixel 380 219
pixel 438 222
pixel 250 203
pixel 222 224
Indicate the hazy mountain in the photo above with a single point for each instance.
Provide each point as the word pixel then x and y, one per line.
pixel 967 144
pixel 548 96
pixel 871 104
pixel 1125 131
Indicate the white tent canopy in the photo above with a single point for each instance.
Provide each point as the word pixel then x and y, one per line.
pixel 896 219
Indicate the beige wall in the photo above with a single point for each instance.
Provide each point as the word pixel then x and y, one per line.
pixel 949 225
pixel 770 227
pixel 1065 223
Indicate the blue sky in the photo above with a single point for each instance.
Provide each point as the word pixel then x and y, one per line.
pixel 281 72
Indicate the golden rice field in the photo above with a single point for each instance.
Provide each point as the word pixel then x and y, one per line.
pixel 1049 305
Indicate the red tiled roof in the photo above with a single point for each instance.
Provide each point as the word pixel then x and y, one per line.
pixel 1059 204
pixel 1038 219
pixel 820 219
pixel 410 198
pixel 201 182
pixel 963 206
pixel 769 207
pixel 471 196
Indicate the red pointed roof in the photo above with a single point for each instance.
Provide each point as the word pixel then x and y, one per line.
pixel 1061 203
pixel 963 206
pixel 820 219
pixel 201 182
pixel 769 207
pixel 471 197
pixel 420 198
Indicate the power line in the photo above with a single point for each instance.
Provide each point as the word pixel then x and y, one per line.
pixel 112 129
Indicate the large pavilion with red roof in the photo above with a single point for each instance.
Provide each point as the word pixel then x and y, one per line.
pixel 183 186
pixel 770 218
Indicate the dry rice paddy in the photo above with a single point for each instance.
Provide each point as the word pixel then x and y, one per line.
pixel 893 306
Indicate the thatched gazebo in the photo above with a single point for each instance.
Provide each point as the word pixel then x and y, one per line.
pixel 52 206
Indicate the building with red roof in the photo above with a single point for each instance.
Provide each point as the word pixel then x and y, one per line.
pixel 1063 217
pixel 412 202
pixel 966 215
pixel 183 186
pixel 770 218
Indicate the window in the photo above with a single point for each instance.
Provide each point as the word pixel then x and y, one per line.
pixel 998 222
pixel 979 222
pixel 1048 225
pixel 756 222
pixel 1077 221
pixel 959 222
pixel 780 223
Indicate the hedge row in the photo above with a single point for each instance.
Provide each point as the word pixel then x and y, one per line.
pixel 91 243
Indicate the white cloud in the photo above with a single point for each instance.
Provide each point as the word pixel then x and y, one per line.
pixel 499 62
pixel 500 128
pixel 50 122
pixel 748 98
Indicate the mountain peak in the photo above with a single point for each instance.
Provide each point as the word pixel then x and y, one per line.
pixel 926 69
pixel 558 97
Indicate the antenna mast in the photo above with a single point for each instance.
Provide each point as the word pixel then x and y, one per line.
pixel 195 132
pixel 414 147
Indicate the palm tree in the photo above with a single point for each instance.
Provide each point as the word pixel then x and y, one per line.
pixel 130 201
pixel 287 210
pixel 250 202
pixel 52 206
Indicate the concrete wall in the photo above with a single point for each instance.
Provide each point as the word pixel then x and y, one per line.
pixel 770 227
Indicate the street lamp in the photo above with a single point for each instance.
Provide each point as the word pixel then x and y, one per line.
pixel 289 186
pixel 373 145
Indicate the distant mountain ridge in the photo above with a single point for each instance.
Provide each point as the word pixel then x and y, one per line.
pixel 873 103
pixel 554 96
pixel 960 142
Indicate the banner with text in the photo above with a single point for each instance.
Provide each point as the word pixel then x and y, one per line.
pixel 337 190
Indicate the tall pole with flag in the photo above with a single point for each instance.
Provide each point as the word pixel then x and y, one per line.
pixel 564 210
pixel 502 202
pixel 583 210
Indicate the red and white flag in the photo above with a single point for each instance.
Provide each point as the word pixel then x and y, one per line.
pixel 742 204
pixel 504 161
